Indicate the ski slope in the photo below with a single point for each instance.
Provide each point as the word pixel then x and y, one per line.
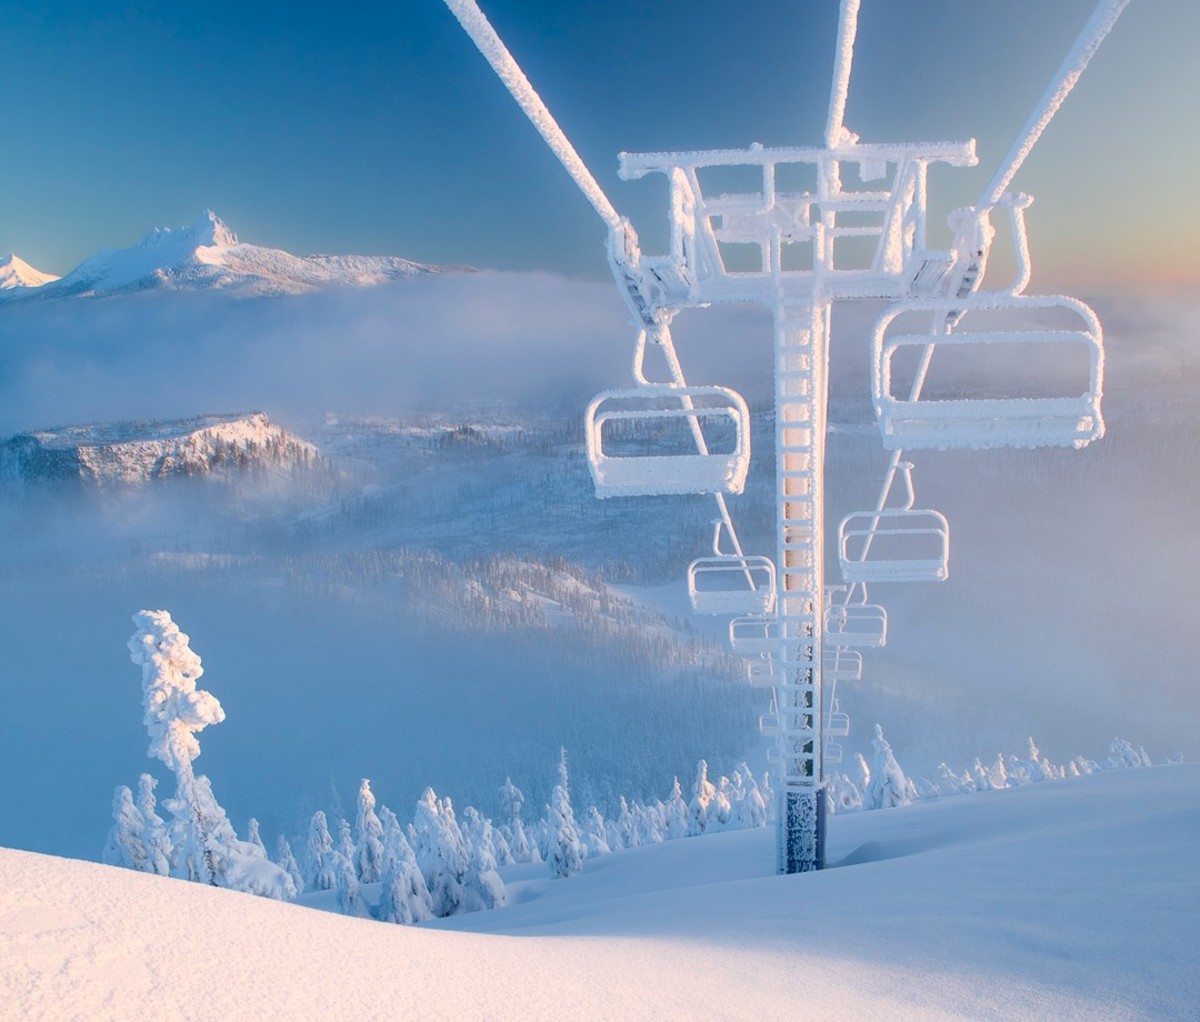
pixel 1068 900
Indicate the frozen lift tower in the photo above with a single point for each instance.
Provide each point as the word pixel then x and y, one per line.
pixel 816 225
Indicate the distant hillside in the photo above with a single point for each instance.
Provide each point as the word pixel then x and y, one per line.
pixel 133 453
pixel 207 255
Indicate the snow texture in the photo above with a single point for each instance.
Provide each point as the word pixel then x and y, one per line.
pixel 996 906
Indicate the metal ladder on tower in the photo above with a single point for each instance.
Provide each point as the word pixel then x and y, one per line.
pixel 801 334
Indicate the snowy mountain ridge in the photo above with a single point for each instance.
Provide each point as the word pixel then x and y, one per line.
pixel 207 255
pixel 133 453
pixel 16 274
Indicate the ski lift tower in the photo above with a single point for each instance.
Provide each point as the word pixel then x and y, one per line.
pixel 811 226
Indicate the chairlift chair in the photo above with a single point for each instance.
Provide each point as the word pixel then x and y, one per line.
pixel 753 636
pixel 895 544
pixel 841 664
pixel 856 624
pixel 981 422
pixel 731 583
pixel 837 723
pixel 656 440
pixel 831 751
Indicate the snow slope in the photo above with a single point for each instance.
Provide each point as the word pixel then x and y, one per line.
pixel 16 274
pixel 1069 900
pixel 207 255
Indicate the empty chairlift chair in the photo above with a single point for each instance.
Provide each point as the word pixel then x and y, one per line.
pixel 1043 391
pixel 754 636
pixel 898 544
pixel 855 624
pixel 737 584
pixel 842 664
pixel 659 439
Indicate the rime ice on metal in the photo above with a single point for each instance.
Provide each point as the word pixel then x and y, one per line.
pixel 859 231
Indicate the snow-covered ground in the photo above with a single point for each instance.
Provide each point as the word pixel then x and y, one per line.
pixel 1067 900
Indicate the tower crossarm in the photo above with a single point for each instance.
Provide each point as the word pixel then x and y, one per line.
pixel 844 222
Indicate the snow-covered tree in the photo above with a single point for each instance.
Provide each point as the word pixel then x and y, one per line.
pixel 596 833
pixel 624 829
pixel 440 852
pixel 158 845
pixel 888 786
pixel 253 837
pixel 482 887
pixel 319 875
pixel 650 823
pixel 405 897
pixel 703 792
pixel 950 783
pixel 175 711
pixel 204 845
pixel 720 810
pixel 286 861
pixel 676 812
pixel 841 794
pixel 345 842
pixel 751 809
pixel 512 799
pixel 369 849
pixel 349 892
pixel 1124 753
pixel 126 846
pixel 564 850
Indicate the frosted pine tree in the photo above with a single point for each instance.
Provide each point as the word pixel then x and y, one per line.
pixel 175 712
pixel 703 792
pixel 158 845
pixel 625 826
pixel 405 897
pixel 512 800
pixel 888 786
pixel 482 887
pixel 676 813
pixel 125 846
pixel 319 875
pixel 440 854
pixel 1123 753
pixel 349 893
pixel 650 823
pixel 204 843
pixel 842 795
pixel 751 810
pixel 286 861
pixel 596 836
pixel 564 851
pixel 253 837
pixel 369 850
pixel 345 842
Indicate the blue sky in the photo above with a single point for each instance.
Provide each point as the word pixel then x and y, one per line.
pixel 384 132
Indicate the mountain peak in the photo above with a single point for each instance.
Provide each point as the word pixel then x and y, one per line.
pixel 15 273
pixel 210 229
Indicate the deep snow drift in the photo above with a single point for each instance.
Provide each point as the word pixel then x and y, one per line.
pixel 1067 900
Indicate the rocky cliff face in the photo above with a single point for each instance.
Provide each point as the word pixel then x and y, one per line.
pixel 135 453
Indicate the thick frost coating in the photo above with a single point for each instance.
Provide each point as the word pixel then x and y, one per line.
pixel 175 709
pixel 484 36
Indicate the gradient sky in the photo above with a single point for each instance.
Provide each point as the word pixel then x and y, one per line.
pixel 382 131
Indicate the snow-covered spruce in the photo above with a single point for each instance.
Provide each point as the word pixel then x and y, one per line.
pixel 203 844
pixel 564 850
